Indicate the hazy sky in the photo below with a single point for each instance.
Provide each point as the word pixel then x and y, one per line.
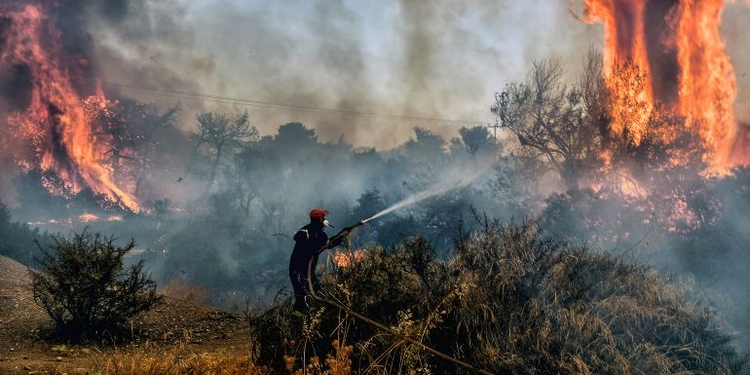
pixel 431 59
pixel 367 71
pixel 435 59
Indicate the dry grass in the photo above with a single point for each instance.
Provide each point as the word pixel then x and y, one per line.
pixel 178 360
pixel 188 292
pixel 336 363
pixel 508 302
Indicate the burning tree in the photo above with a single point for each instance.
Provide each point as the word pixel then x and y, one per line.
pixel 551 121
pixel 680 50
pixel 135 130
pixel 52 128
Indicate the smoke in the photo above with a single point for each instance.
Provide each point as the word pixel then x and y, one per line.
pixel 338 66
pixel 424 63
pixel 142 44
pixel 455 180
pixel 363 72
pixel 737 33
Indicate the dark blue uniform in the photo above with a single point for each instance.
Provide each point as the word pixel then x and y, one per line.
pixel 310 240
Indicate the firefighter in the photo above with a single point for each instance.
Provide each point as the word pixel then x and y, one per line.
pixel 310 241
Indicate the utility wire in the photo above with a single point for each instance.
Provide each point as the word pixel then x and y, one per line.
pixel 266 104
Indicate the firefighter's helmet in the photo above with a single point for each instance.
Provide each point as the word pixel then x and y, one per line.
pixel 318 214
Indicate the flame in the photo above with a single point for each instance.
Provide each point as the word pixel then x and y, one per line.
pixel 670 52
pixel 707 87
pixel 65 144
pixel 344 259
pixel 625 62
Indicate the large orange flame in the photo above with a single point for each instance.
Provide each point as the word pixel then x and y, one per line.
pixel 624 40
pixel 679 55
pixel 707 86
pixel 57 122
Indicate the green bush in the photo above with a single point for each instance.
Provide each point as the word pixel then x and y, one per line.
pixel 86 290
pixel 509 302
pixel 17 238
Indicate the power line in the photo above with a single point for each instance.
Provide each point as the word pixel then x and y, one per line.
pixel 266 104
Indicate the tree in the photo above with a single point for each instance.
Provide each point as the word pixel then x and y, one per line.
pixel 17 238
pixel 220 137
pixel 368 204
pixel 427 146
pixel 295 136
pixel 85 288
pixel 476 140
pixel 551 120
pixel 151 122
pixel 131 130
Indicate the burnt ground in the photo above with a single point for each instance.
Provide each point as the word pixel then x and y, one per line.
pixel 172 324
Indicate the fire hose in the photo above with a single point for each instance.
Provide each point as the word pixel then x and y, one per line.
pixel 435 352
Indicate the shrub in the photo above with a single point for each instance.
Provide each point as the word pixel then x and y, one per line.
pixel 86 290
pixel 508 301
pixel 17 238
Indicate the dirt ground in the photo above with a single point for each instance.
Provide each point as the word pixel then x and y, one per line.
pixel 172 323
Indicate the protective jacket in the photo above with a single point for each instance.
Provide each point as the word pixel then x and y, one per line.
pixel 309 240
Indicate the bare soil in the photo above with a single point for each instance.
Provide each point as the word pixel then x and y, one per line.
pixel 173 323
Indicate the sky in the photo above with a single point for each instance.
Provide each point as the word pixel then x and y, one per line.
pixel 365 71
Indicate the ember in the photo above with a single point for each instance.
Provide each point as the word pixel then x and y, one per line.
pixel 344 259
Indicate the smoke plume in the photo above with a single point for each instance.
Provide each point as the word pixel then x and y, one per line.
pixel 366 73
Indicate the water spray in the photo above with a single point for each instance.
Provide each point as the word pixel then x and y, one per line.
pixel 332 301
pixel 455 182
pixel 440 188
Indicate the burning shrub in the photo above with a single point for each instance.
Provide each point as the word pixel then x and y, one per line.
pixel 85 289
pixel 507 301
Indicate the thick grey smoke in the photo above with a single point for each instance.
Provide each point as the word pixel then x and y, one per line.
pixel 736 30
pixel 429 61
pixel 425 60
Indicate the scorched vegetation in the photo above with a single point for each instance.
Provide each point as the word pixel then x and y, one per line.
pixel 508 301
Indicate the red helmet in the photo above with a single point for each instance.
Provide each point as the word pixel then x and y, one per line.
pixel 318 214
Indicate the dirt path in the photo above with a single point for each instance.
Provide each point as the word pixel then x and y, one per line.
pixel 171 324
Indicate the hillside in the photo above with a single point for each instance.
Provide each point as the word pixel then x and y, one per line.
pixel 172 325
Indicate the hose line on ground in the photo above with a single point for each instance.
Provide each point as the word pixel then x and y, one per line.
pixel 378 325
